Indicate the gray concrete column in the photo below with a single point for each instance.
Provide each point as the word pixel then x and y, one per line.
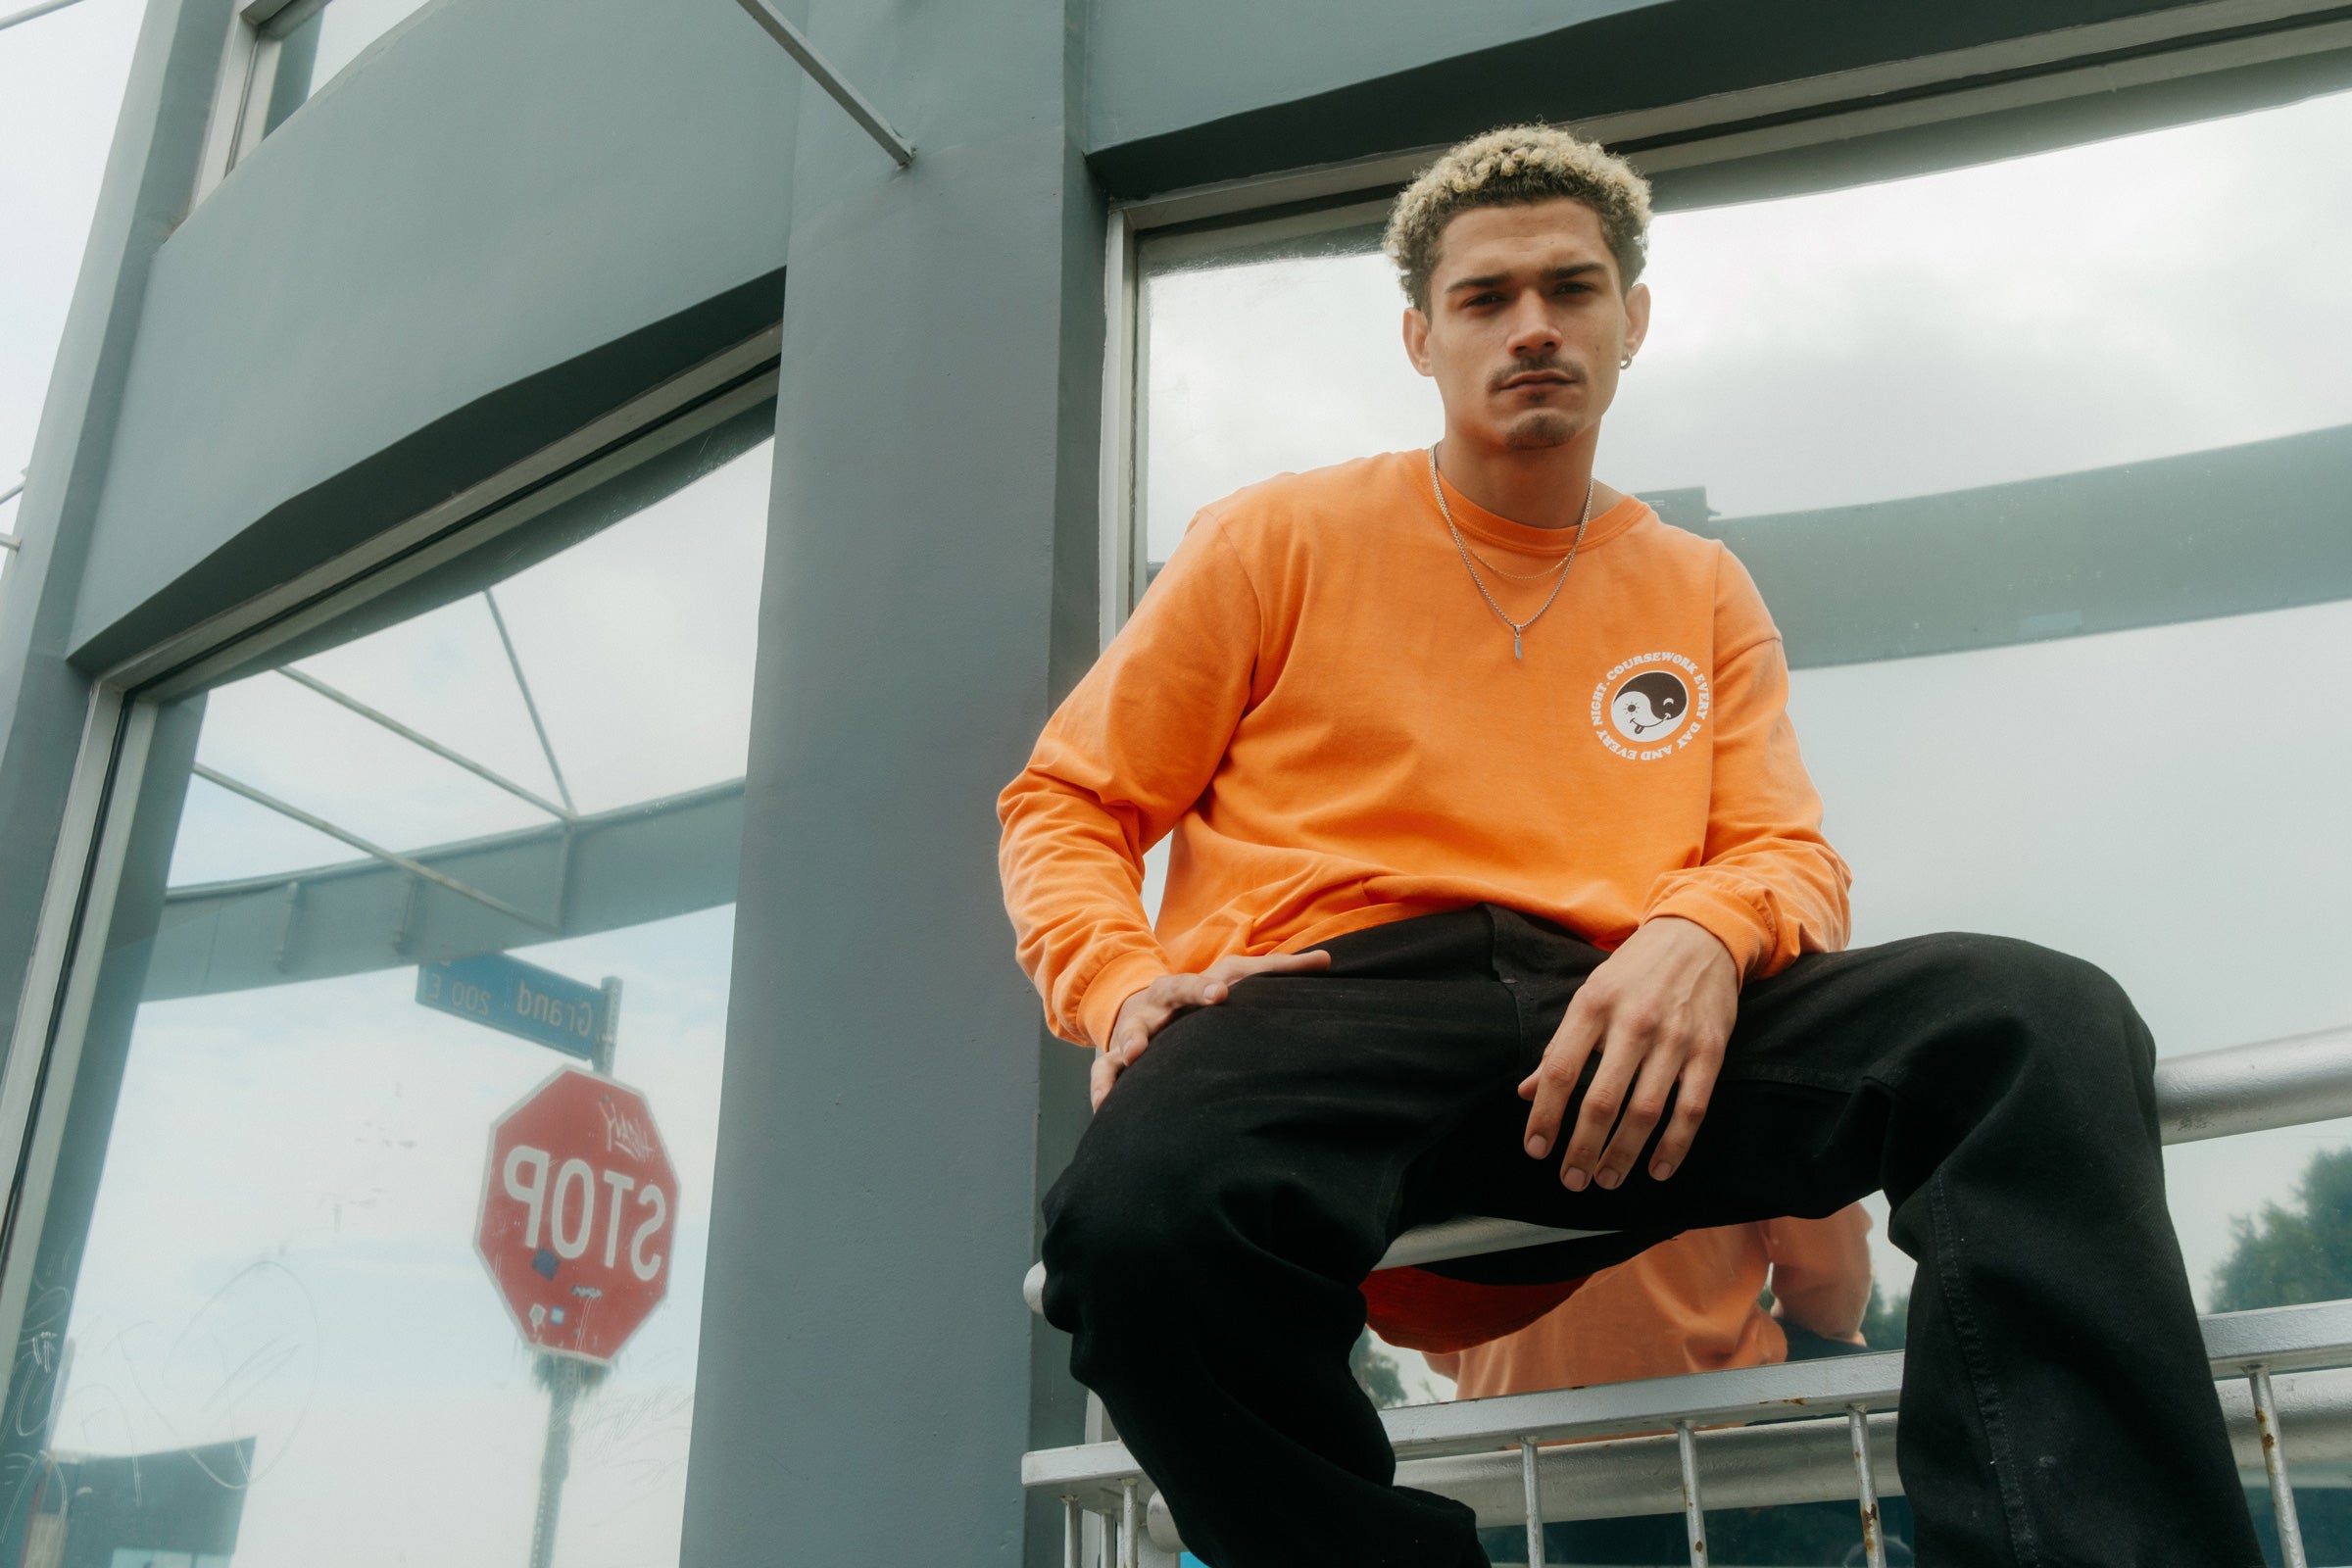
pixel 865 1386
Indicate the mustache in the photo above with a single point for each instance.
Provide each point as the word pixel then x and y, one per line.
pixel 1545 361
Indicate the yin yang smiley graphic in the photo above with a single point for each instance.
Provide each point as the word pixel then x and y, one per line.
pixel 1650 707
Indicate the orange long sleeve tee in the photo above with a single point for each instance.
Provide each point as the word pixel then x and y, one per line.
pixel 1317 704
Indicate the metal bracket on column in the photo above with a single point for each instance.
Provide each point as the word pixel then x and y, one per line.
pixel 796 44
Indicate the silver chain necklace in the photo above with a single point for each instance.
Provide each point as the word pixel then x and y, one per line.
pixel 1518 627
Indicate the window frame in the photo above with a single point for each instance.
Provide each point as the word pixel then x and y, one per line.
pixel 44 1045
pixel 248 66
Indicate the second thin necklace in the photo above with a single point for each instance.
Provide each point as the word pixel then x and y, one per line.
pixel 1518 627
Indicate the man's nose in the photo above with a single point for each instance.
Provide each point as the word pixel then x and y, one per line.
pixel 1532 330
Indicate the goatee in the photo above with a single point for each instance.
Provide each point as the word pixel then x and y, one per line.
pixel 1538 431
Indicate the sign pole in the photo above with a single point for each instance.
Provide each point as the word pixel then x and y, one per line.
pixel 563 1374
pixel 563 1391
pixel 608 1036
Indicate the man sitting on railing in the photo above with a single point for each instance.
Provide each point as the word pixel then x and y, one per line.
pixel 1483 794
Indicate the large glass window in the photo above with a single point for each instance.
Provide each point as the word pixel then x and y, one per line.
pixel 61 87
pixel 2041 464
pixel 375 896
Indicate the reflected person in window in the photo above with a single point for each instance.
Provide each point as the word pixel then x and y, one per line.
pixel 1498 886
pixel 1694 1303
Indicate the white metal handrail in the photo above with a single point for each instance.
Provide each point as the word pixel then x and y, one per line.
pixel 1469 1449
pixel 2280 1339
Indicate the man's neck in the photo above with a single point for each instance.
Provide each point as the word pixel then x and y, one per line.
pixel 1542 488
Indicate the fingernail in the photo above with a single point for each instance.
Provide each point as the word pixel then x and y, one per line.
pixel 1661 1170
pixel 1573 1178
pixel 1610 1179
pixel 1536 1148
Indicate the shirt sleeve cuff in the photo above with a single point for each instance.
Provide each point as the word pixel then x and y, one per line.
pixel 1727 918
pixel 1122 977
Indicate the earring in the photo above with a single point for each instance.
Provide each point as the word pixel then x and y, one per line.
pixel 1626 363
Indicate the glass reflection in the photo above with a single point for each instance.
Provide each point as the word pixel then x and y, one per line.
pixel 2156 294
pixel 264 1323
pixel 2157 798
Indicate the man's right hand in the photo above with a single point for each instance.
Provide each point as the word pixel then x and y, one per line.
pixel 1148 1012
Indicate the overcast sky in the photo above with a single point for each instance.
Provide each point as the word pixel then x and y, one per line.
pixel 638 644
pixel 2148 295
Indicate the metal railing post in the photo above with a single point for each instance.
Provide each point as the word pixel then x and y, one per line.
pixel 2274 1464
pixel 1072 1536
pixel 1535 1502
pixel 1130 1523
pixel 1695 1513
pixel 1866 1482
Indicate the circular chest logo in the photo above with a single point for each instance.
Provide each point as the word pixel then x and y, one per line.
pixel 1650 705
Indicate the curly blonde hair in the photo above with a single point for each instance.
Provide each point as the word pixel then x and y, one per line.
pixel 1518 163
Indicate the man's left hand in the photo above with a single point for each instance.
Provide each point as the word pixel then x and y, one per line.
pixel 1658 1011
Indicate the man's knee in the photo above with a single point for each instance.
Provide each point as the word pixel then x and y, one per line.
pixel 2051 1008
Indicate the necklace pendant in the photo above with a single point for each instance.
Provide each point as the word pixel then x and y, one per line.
pixel 1515 651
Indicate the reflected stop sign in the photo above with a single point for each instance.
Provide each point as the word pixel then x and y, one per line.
pixel 579 1208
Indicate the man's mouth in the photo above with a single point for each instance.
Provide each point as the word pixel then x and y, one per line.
pixel 1536 379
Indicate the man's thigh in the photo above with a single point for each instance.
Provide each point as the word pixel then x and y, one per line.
pixel 1795 1124
pixel 1300 1103
pixel 1765 1151
pixel 1823 1057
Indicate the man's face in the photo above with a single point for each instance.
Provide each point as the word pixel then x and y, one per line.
pixel 1526 324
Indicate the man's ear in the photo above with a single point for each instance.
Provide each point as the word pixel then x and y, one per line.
pixel 1416 338
pixel 1637 316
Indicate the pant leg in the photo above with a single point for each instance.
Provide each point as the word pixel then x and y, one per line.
pixel 2057 1406
pixel 1206 1245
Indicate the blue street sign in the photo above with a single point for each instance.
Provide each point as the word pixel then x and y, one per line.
pixel 505 992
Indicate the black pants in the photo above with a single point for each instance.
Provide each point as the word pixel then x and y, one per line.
pixel 1206 1245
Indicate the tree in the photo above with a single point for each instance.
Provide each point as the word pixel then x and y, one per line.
pixel 1883 1320
pixel 1377 1373
pixel 2292 1255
